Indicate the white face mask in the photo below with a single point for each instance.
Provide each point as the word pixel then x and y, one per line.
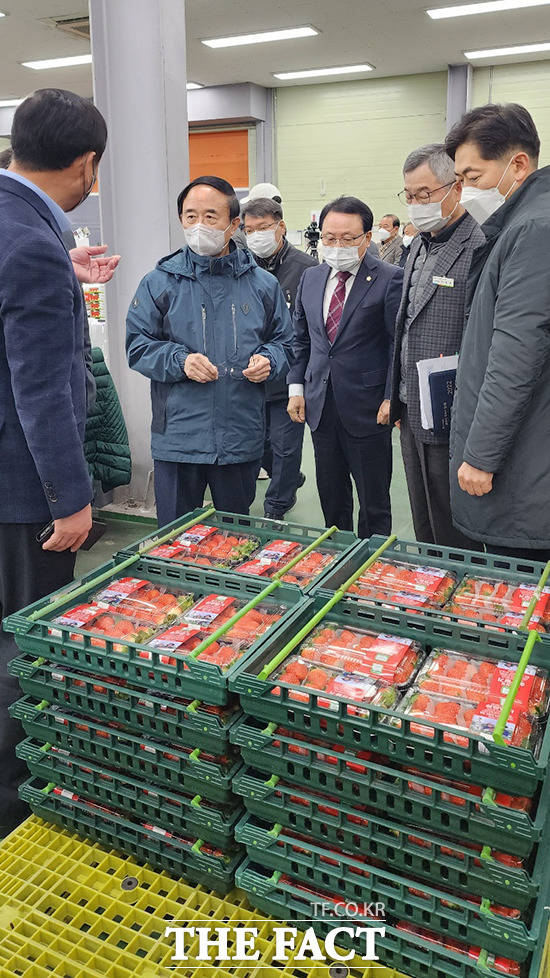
pixel 407 238
pixel 383 234
pixel 480 203
pixel 429 217
pixel 341 259
pixel 204 240
pixel 262 243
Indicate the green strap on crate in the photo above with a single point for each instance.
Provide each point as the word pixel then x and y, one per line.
pixel 108 575
pixel 337 596
pixel 275 583
pixel 532 639
pixel 536 597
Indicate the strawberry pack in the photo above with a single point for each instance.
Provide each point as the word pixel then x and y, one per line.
pixel 499 602
pixel 504 965
pixel 208 546
pixel 278 553
pixel 468 693
pixel 360 666
pixel 406 584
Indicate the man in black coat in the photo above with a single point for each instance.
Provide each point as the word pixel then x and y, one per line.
pixel 500 433
pixel 429 324
pixel 265 233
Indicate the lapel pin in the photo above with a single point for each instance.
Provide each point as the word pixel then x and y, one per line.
pixel 369 278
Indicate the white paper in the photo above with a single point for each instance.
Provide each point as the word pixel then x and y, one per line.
pixel 435 365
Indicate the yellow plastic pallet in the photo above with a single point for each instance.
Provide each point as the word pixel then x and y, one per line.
pixel 65 912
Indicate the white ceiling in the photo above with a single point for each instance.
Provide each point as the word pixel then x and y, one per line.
pixel 396 36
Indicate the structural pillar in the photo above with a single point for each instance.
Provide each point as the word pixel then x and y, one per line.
pixel 459 86
pixel 139 70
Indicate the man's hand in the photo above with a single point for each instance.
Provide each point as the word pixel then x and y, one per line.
pixel 198 367
pixel 297 409
pixel 92 266
pixel 383 416
pixel 475 482
pixel 258 370
pixel 70 532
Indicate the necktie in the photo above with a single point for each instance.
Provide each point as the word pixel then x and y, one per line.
pixel 336 307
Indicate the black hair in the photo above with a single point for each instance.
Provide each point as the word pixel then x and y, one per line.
pixel 263 207
pixel 394 218
pixel 52 128
pixel 496 130
pixel 218 183
pixel 5 158
pixel 349 205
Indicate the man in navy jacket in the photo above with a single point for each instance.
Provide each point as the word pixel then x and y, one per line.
pixel 57 139
pixel 341 379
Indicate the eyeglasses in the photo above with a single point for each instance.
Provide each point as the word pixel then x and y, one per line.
pixel 423 196
pixel 248 231
pixel 346 241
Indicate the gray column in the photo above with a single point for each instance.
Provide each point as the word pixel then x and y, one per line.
pixel 459 84
pixel 139 68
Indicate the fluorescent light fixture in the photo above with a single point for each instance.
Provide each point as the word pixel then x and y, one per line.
pixel 6 103
pixel 283 35
pixel 77 59
pixel 317 72
pixel 191 86
pixel 487 7
pixel 505 52
pixel 1 14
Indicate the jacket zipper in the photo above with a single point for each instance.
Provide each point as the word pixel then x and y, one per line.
pixel 233 315
pixel 203 313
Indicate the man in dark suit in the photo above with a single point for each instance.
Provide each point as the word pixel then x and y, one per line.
pixel 57 140
pixel 430 324
pixel 344 321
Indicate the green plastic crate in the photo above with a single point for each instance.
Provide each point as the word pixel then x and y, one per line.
pixel 460 562
pixel 189 678
pixel 337 824
pixel 336 872
pixel 483 762
pixel 178 857
pixel 139 710
pixel 186 814
pixel 265 529
pixel 404 952
pixel 384 790
pixel 139 756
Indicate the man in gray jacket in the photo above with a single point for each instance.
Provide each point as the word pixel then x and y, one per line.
pixel 500 437
pixel 429 324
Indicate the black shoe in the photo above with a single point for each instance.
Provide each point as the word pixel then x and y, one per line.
pixel 270 515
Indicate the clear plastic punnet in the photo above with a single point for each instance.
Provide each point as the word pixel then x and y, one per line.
pixel 410 585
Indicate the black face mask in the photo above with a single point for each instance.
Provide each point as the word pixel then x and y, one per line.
pixel 87 192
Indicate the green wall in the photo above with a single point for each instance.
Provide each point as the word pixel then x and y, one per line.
pixel 352 138
pixel 528 84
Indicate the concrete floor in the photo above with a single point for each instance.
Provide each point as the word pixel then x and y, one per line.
pixel 307 510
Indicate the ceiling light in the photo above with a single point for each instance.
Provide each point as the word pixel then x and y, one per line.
pixel 282 35
pixel 317 72
pixel 191 86
pixel 488 7
pixel 1 14
pixel 505 52
pixel 78 59
pixel 6 103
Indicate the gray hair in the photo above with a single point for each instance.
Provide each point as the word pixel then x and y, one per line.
pixel 437 159
pixel 262 207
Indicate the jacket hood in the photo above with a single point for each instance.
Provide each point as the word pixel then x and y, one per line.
pixel 186 263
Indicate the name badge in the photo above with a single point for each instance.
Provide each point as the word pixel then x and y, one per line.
pixel 448 283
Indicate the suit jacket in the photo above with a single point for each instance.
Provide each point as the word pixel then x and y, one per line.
pixel 43 473
pixel 390 251
pixel 358 363
pixel 438 323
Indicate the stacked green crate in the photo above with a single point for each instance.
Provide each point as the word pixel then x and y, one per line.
pixel 250 546
pixel 128 713
pixel 348 805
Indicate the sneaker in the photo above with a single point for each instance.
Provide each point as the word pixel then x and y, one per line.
pixel 262 475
